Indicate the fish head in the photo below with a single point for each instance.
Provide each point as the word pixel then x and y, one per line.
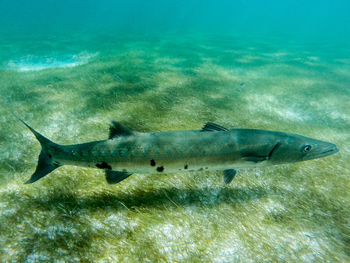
pixel 296 148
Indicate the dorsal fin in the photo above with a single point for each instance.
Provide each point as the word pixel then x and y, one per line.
pixel 117 129
pixel 211 126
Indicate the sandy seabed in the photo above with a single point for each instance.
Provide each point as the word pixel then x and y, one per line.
pixel 290 213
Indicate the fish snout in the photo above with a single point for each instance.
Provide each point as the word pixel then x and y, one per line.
pixel 329 149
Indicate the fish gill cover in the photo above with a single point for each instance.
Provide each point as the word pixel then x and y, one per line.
pixel 170 65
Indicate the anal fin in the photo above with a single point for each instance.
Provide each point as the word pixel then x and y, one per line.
pixel 229 174
pixel 114 177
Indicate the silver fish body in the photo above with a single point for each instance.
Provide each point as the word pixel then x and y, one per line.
pixel 175 151
pixel 213 148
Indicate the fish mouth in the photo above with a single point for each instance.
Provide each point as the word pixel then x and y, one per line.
pixel 331 150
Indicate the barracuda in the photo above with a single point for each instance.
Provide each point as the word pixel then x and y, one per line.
pixel 213 148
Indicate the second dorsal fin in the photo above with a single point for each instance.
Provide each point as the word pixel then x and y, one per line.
pixel 211 126
pixel 117 129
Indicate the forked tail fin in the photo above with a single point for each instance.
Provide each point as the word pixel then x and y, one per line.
pixel 45 163
pixel 44 167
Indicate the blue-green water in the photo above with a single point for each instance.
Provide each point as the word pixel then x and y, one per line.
pixel 69 68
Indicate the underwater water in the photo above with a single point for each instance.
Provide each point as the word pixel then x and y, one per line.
pixel 160 66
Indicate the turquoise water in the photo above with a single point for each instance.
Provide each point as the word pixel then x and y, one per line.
pixel 68 69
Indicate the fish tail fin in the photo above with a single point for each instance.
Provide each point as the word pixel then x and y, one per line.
pixel 44 167
pixel 45 162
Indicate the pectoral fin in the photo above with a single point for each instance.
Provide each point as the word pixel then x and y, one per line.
pixel 255 159
pixel 114 177
pixel 229 175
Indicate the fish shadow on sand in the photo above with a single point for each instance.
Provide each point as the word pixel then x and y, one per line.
pixel 70 203
pixel 65 216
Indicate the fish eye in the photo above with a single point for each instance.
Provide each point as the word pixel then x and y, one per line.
pixel 307 148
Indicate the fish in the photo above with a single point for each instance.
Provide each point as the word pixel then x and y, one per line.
pixel 212 148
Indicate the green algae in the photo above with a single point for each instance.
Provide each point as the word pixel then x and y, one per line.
pixel 291 213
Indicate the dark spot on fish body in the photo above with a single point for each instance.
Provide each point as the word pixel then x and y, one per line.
pixel 186 166
pixel 104 165
pixel 50 156
pixel 153 162
pixel 160 169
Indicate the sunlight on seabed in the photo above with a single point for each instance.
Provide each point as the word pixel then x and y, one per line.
pixel 35 63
